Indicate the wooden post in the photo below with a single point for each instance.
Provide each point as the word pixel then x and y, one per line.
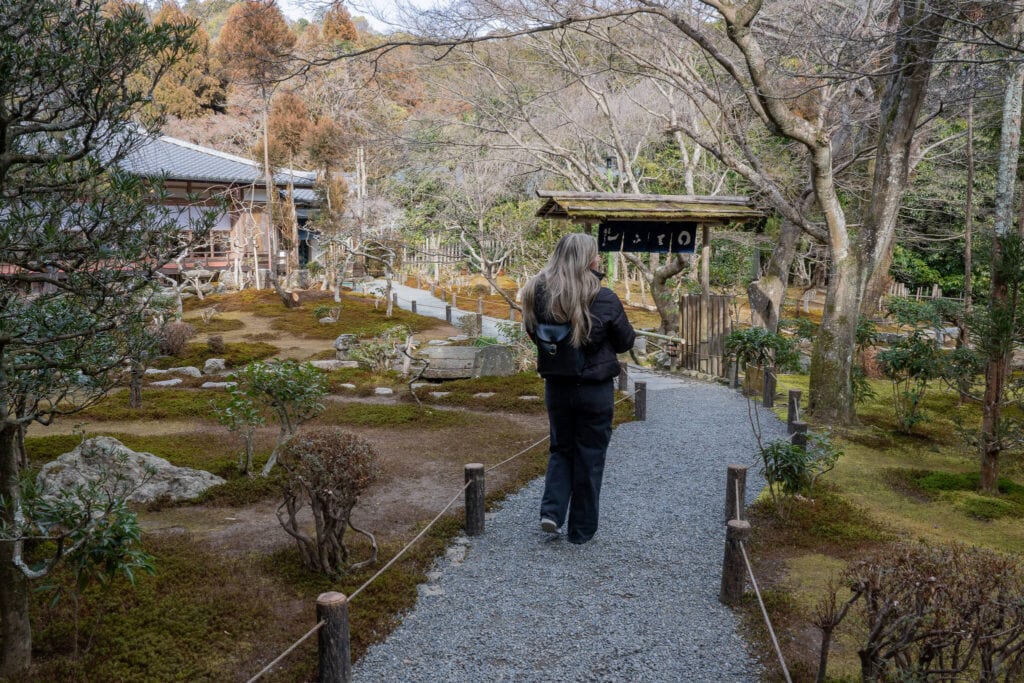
pixel 735 478
pixel 413 305
pixel 734 570
pixel 480 323
pixel 768 397
pixel 799 434
pixel 419 281
pixel 511 314
pixel 475 499
pixel 734 374
pixel 480 305
pixel 454 299
pixel 640 400
pixel 623 376
pixel 793 414
pixel 333 650
pixel 448 313
pixel 394 298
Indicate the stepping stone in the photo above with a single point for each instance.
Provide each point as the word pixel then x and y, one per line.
pixel 439 394
pixel 529 398
pixel 333 364
pixel 155 371
pixel 459 338
pixel 484 394
pixel 346 385
pixel 438 342
pixel 214 366
pixel 417 385
pixel 167 382
pixel 216 385
pixel 383 391
pixel 186 370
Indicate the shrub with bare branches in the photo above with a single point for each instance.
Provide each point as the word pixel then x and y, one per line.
pixel 327 468
pixel 934 613
pixel 174 338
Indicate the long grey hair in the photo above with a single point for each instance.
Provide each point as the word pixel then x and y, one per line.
pixel 568 287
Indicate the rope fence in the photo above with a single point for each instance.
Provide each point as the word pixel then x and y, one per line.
pixel 736 566
pixel 334 654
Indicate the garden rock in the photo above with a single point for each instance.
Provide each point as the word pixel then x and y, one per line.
pixel 438 342
pixel 529 398
pixel 334 364
pixel 167 382
pixel 439 394
pixel 383 391
pixel 328 320
pixel 346 385
pixel 459 338
pixel 216 385
pixel 213 366
pixel 189 370
pixel 343 345
pixel 462 362
pixel 484 394
pixel 146 476
pixel 155 371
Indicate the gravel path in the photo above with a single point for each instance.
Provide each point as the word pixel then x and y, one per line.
pixel 637 603
pixel 431 306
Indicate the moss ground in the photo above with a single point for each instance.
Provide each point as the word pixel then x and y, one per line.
pixel 887 486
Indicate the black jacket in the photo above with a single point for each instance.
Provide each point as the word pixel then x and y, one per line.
pixel 610 334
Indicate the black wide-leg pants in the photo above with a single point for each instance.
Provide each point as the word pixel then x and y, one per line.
pixel 580 417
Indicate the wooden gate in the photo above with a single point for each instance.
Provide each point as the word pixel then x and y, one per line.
pixel 704 323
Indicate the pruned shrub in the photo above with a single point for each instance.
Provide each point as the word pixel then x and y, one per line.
pixel 215 343
pixel 326 468
pixel 934 613
pixel 174 338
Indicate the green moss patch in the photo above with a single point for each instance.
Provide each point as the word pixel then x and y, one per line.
pixel 159 404
pixel 201 617
pixel 358 314
pixel 383 415
pixel 235 355
pixel 961 489
pixel 216 325
pixel 507 393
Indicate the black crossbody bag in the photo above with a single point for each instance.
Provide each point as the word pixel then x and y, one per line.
pixel 556 356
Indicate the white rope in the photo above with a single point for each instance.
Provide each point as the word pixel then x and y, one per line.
pixel 409 544
pixel 760 601
pixel 287 652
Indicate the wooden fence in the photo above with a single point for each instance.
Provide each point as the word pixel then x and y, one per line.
pixel 704 323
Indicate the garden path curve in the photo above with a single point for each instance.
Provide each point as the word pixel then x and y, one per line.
pixel 637 603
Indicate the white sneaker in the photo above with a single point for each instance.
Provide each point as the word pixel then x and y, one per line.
pixel 548 525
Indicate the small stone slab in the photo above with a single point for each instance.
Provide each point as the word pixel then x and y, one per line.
pixel 213 366
pixel 438 342
pixel 383 391
pixel 484 394
pixel 439 394
pixel 189 370
pixel 216 385
pixel 347 385
pixel 167 382
pixel 155 371
pixel 334 364
pixel 459 338
pixel 327 321
pixel 417 385
pixel 529 398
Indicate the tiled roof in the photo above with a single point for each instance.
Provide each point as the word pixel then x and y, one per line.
pixel 179 160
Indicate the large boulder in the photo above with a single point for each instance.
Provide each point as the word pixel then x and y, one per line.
pixel 343 345
pixel 146 477
pixel 461 362
pixel 214 366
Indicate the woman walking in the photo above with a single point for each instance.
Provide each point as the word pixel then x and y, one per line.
pixel 579 327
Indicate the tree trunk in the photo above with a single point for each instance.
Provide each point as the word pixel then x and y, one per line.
pixel 135 385
pixel 16 652
pixel 831 390
pixel 268 179
pixel 997 367
pixel 768 293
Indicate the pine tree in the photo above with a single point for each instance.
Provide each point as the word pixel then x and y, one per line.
pixel 189 89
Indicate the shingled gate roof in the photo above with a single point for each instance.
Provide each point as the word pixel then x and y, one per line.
pixel 589 207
